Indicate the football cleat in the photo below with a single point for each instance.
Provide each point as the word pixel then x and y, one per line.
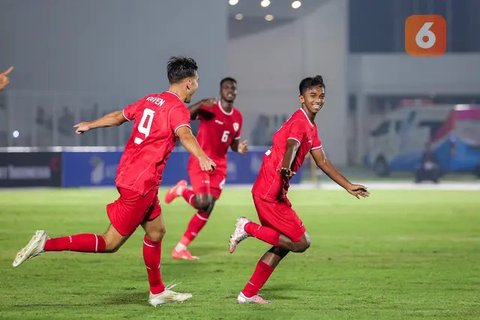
pixel 32 249
pixel 183 255
pixel 168 296
pixel 257 299
pixel 239 234
pixel 175 191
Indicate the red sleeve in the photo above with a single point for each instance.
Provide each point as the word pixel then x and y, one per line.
pixel 297 131
pixel 130 110
pixel 316 142
pixel 179 117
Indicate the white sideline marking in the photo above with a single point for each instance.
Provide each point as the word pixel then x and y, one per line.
pixel 376 185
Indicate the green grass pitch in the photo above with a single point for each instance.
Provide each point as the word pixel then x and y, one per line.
pixel 396 255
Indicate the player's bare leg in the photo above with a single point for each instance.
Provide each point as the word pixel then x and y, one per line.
pixel 152 246
pixel 195 225
pixel 113 239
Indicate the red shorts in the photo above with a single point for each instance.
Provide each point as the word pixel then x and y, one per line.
pixel 132 209
pixel 281 217
pixel 204 182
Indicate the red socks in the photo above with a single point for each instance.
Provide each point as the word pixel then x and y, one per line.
pixel 151 255
pixel 196 224
pixel 263 233
pixel 189 196
pixel 259 277
pixel 85 242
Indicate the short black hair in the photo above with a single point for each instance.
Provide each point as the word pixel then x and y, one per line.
pixel 227 79
pixel 179 68
pixel 311 82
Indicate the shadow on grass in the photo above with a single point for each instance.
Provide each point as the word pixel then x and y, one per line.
pixel 130 298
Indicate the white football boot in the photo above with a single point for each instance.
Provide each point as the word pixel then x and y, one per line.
pixel 257 299
pixel 32 249
pixel 168 296
pixel 239 234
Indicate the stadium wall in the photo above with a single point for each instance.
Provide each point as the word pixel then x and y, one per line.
pixel 269 66
pixel 114 48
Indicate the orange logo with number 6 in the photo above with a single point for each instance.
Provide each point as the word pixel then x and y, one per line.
pixel 425 35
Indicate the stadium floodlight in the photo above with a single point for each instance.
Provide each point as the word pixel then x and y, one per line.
pixel 232 2
pixel 239 17
pixel 265 3
pixel 296 4
pixel 269 17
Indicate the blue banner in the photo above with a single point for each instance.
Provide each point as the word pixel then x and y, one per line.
pixel 83 169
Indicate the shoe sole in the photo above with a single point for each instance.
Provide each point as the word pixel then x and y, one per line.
pixel 170 301
pixel 188 259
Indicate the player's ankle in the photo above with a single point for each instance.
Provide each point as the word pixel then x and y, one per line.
pixel 180 247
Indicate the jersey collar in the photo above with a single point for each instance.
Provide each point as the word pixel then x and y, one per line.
pixel 221 109
pixel 306 116
pixel 173 94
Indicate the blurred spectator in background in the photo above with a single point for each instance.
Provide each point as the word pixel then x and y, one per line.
pixel 4 80
pixel 429 168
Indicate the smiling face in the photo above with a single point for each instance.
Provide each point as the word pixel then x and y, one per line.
pixel 313 98
pixel 228 91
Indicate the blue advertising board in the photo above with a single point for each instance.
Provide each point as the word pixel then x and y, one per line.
pixel 83 169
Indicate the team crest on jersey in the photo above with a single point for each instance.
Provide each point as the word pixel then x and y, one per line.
pixel 236 126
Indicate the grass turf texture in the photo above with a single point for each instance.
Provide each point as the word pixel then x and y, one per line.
pixel 395 255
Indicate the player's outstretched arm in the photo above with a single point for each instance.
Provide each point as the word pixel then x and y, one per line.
pixel 195 108
pixel 240 147
pixel 290 152
pixel 112 119
pixel 4 79
pixel 330 170
pixel 188 140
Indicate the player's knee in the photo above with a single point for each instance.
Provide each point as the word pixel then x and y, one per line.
pixel 306 244
pixel 302 246
pixel 157 234
pixel 203 201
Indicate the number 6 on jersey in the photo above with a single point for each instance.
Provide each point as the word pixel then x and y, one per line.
pixel 225 136
pixel 145 125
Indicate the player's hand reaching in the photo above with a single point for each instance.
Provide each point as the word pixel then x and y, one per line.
pixel 82 127
pixel 209 102
pixel 4 80
pixel 358 190
pixel 206 164
pixel 286 172
pixel 242 147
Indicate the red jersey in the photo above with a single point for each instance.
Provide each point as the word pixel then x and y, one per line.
pixel 216 133
pixel 270 185
pixel 157 117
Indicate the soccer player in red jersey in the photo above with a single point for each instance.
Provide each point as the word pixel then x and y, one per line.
pixel 220 128
pixel 279 224
pixel 159 119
